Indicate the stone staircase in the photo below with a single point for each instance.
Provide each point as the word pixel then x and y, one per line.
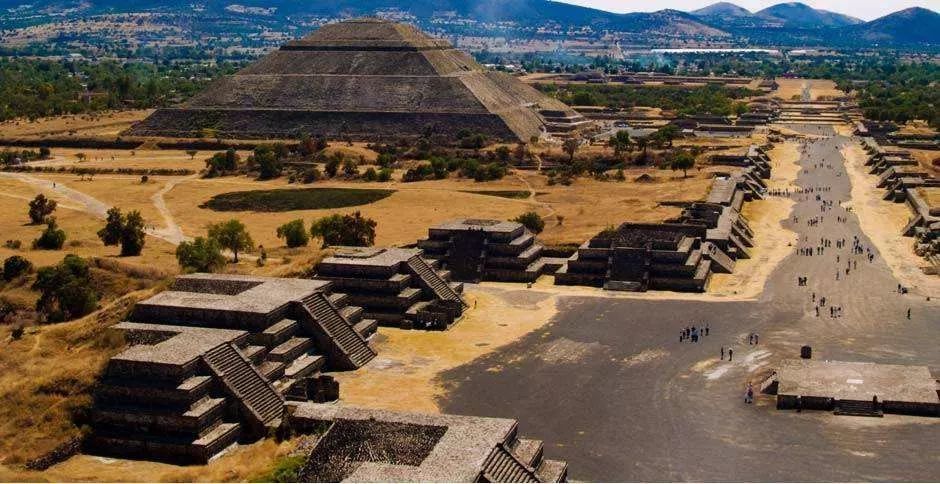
pixel 522 460
pixel 263 406
pixel 336 332
pixel 502 466
pixel 433 281
pixel 857 408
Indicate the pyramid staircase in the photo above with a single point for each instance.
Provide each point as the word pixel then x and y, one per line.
pixel 262 405
pixel 432 281
pixel 333 331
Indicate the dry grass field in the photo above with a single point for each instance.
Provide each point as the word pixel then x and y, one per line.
pixel 925 158
pixel 105 124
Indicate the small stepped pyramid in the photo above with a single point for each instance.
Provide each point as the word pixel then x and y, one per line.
pixel 339 333
pixel 263 403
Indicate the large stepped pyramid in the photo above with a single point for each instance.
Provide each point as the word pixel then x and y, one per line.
pixel 365 79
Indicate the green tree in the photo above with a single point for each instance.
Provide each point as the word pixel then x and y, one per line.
pixel 114 225
pixel 620 142
pixel 15 266
pixel 232 235
pixel 65 290
pixel 51 238
pixel 222 162
pixel 531 221
pixel 200 255
pixel 192 154
pixel 353 230
pixel 268 163
pixel 682 160
pixel 40 208
pixel 294 233
pixel 664 136
pixel 132 235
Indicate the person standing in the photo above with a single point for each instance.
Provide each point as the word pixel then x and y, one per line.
pixel 730 354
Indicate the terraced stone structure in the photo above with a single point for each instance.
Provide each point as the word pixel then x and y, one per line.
pixel 212 359
pixel 364 445
pixel 397 287
pixel 678 255
pixel 365 79
pixel 492 250
pixel 905 182
pixel 639 257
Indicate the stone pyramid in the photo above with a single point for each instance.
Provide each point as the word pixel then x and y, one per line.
pixel 366 79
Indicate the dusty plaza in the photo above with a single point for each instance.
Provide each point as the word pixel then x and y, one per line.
pixel 367 257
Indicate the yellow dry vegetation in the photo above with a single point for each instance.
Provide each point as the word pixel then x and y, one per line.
pixel 104 124
pixel 135 159
pixel 80 227
pixel 47 378
pixel 925 158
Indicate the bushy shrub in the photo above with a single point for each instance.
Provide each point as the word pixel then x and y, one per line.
pixel 65 290
pixel 51 238
pixel 531 221
pixel 353 230
pixel 200 255
pixel 294 233
pixel 15 266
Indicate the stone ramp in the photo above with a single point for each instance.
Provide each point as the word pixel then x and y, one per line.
pixel 263 406
pixel 432 280
pixel 333 331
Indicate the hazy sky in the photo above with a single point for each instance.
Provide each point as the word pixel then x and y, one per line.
pixel 863 9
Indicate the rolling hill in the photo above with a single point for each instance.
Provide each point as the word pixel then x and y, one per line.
pixel 910 26
pixel 800 15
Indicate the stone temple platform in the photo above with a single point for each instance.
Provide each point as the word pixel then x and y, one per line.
pixel 476 250
pixel 852 388
pixel 396 287
pixel 366 445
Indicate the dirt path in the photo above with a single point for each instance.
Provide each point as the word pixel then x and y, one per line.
pixel 98 209
pixel 171 231
pixel 531 198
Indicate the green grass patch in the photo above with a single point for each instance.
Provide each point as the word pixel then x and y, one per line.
pixel 284 200
pixel 286 469
pixel 515 194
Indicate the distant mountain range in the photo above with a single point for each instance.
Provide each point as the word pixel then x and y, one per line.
pixel 798 21
pixel 781 24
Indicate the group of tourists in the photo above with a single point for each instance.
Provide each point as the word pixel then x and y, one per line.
pixel 693 334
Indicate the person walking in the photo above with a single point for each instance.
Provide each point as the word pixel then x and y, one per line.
pixel 908 313
pixel 722 353
pixel 749 394
pixel 730 354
